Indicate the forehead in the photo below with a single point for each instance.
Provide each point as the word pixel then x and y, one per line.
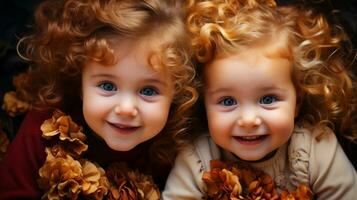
pixel 248 68
pixel 130 68
pixel 144 51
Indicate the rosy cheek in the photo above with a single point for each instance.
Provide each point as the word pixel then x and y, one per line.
pixel 287 129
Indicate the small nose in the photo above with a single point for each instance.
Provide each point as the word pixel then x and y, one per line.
pixel 126 108
pixel 249 119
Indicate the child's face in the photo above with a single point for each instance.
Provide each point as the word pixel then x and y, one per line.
pixel 251 103
pixel 126 103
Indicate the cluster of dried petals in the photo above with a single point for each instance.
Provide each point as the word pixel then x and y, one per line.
pixel 145 185
pixel 222 184
pixel 4 142
pixel 65 176
pixel 58 169
pixel 230 181
pixel 74 148
pixel 66 190
pixel 257 184
pixel 121 186
pixel 131 185
pixel 93 179
pixel 123 191
pixel 301 193
pixel 69 189
pixel 262 188
pixel 19 81
pixel 17 102
pixel 61 126
pixel 60 177
pixel 13 105
pixel 103 187
pixel 58 151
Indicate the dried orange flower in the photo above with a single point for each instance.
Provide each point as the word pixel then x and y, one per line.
pixel 301 193
pixel 62 127
pixel 58 151
pixel 91 177
pixel 69 189
pixel 19 81
pixel 145 185
pixel 13 105
pixel 64 177
pixel 121 186
pixel 66 190
pixel 74 148
pixel 17 102
pixel 234 182
pixel 127 184
pixel 103 187
pixel 222 184
pixel 58 169
pixel 52 194
pixel 60 176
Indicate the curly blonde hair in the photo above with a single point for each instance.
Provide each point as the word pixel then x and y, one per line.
pixel 69 33
pixel 326 91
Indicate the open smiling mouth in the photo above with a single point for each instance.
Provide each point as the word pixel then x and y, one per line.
pixel 124 129
pixel 250 139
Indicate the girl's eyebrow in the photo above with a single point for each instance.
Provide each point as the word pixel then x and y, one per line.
pixel 228 89
pixel 156 81
pixel 102 75
pixel 270 88
pixel 218 90
pixel 148 80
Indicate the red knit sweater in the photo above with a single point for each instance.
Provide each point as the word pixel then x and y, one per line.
pixel 25 155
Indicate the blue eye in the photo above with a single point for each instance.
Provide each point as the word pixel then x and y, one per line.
pixel 268 99
pixel 228 101
pixel 107 86
pixel 148 91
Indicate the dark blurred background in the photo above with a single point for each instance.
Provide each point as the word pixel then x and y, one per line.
pixel 16 17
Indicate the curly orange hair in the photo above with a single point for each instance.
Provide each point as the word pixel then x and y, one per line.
pixel 326 92
pixel 69 33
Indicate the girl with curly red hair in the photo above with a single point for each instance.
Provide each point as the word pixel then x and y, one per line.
pixel 276 84
pixel 120 68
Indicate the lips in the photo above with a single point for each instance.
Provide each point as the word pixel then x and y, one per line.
pixel 124 128
pixel 250 140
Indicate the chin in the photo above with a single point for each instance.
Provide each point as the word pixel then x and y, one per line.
pixel 251 158
pixel 120 147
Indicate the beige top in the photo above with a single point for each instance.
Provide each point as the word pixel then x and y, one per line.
pixel 310 157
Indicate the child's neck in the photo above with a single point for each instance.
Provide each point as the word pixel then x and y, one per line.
pixel 266 157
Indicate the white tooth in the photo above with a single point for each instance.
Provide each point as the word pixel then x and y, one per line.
pixel 250 137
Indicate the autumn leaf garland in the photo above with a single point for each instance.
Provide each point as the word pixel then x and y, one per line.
pixel 229 181
pixel 65 175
